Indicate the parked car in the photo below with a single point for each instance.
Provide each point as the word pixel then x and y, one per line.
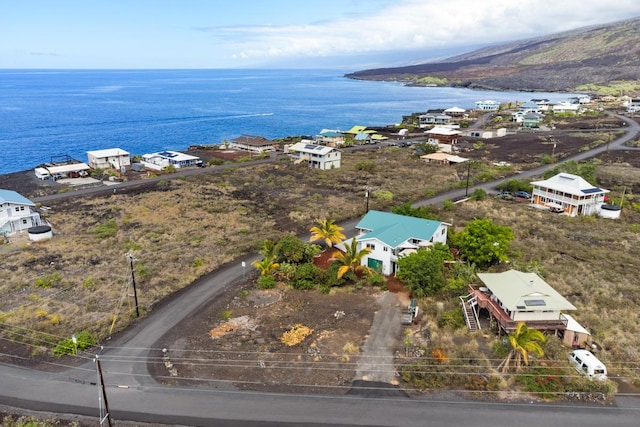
pixel 504 195
pixel 523 195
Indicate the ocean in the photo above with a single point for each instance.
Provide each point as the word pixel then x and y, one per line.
pixel 48 114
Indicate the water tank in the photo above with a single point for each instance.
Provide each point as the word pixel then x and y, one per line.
pixel 609 211
pixel 39 233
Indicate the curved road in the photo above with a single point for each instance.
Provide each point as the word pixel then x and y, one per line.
pixel 133 395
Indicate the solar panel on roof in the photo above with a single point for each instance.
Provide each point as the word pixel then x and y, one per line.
pixel 309 147
pixel 535 302
pixel 592 190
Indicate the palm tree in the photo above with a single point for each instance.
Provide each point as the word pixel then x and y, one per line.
pixel 523 340
pixel 351 259
pixel 269 249
pixel 328 231
pixel 266 266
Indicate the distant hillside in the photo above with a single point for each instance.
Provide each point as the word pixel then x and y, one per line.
pixel 596 55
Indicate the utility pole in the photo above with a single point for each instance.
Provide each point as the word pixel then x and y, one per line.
pixel 133 282
pixel 466 190
pixel 103 395
pixel 366 196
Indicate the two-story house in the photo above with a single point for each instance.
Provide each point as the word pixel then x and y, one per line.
pixel 390 236
pixel 110 158
pixel 571 193
pixel 513 296
pixel 253 144
pixel 488 105
pixel 442 135
pixel 317 156
pixel 17 213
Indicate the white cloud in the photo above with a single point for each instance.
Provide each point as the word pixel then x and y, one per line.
pixel 421 24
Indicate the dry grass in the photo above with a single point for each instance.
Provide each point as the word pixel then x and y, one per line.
pixel 187 228
pixel 591 261
pixel 178 232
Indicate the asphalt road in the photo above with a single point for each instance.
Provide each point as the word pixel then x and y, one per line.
pixel 133 395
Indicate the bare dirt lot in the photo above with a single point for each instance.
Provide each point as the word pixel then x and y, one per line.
pixel 236 342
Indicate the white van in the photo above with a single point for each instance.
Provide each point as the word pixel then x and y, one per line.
pixel 588 365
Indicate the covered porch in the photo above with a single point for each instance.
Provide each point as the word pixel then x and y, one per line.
pixel 479 298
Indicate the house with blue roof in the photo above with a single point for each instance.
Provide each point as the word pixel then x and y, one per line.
pixel 390 236
pixel 17 213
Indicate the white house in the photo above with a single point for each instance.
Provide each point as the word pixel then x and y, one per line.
pixel 455 112
pixel 565 107
pixel 431 119
pixel 633 106
pixel 571 193
pixel 110 158
pixel 17 213
pixel 390 236
pixel 159 161
pixel 513 296
pixel 318 156
pixel 487 105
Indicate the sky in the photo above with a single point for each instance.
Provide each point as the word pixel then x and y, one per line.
pixel 346 34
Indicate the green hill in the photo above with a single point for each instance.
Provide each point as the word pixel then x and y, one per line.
pixel 582 59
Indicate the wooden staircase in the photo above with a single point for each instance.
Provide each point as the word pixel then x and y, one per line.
pixel 469 304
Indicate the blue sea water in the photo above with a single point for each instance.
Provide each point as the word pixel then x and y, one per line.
pixel 52 113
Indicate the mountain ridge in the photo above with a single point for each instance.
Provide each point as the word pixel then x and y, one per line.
pixel 567 61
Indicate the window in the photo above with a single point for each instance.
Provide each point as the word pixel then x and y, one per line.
pixel 444 230
pixel 371 246
pixel 24 221
pixel 385 249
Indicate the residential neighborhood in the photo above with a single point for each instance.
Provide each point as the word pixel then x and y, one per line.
pixel 467 300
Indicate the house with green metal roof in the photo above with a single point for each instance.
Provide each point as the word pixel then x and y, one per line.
pixel 514 296
pixel 17 213
pixel 390 236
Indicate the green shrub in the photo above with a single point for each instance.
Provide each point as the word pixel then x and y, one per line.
pixel 48 281
pixel 266 282
pixel 307 277
pixel 383 195
pixel 366 166
pixel 633 228
pixel 453 319
pixel 448 205
pixel 84 340
pixel 376 279
pixel 478 194
pixel 331 276
pixel 106 229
